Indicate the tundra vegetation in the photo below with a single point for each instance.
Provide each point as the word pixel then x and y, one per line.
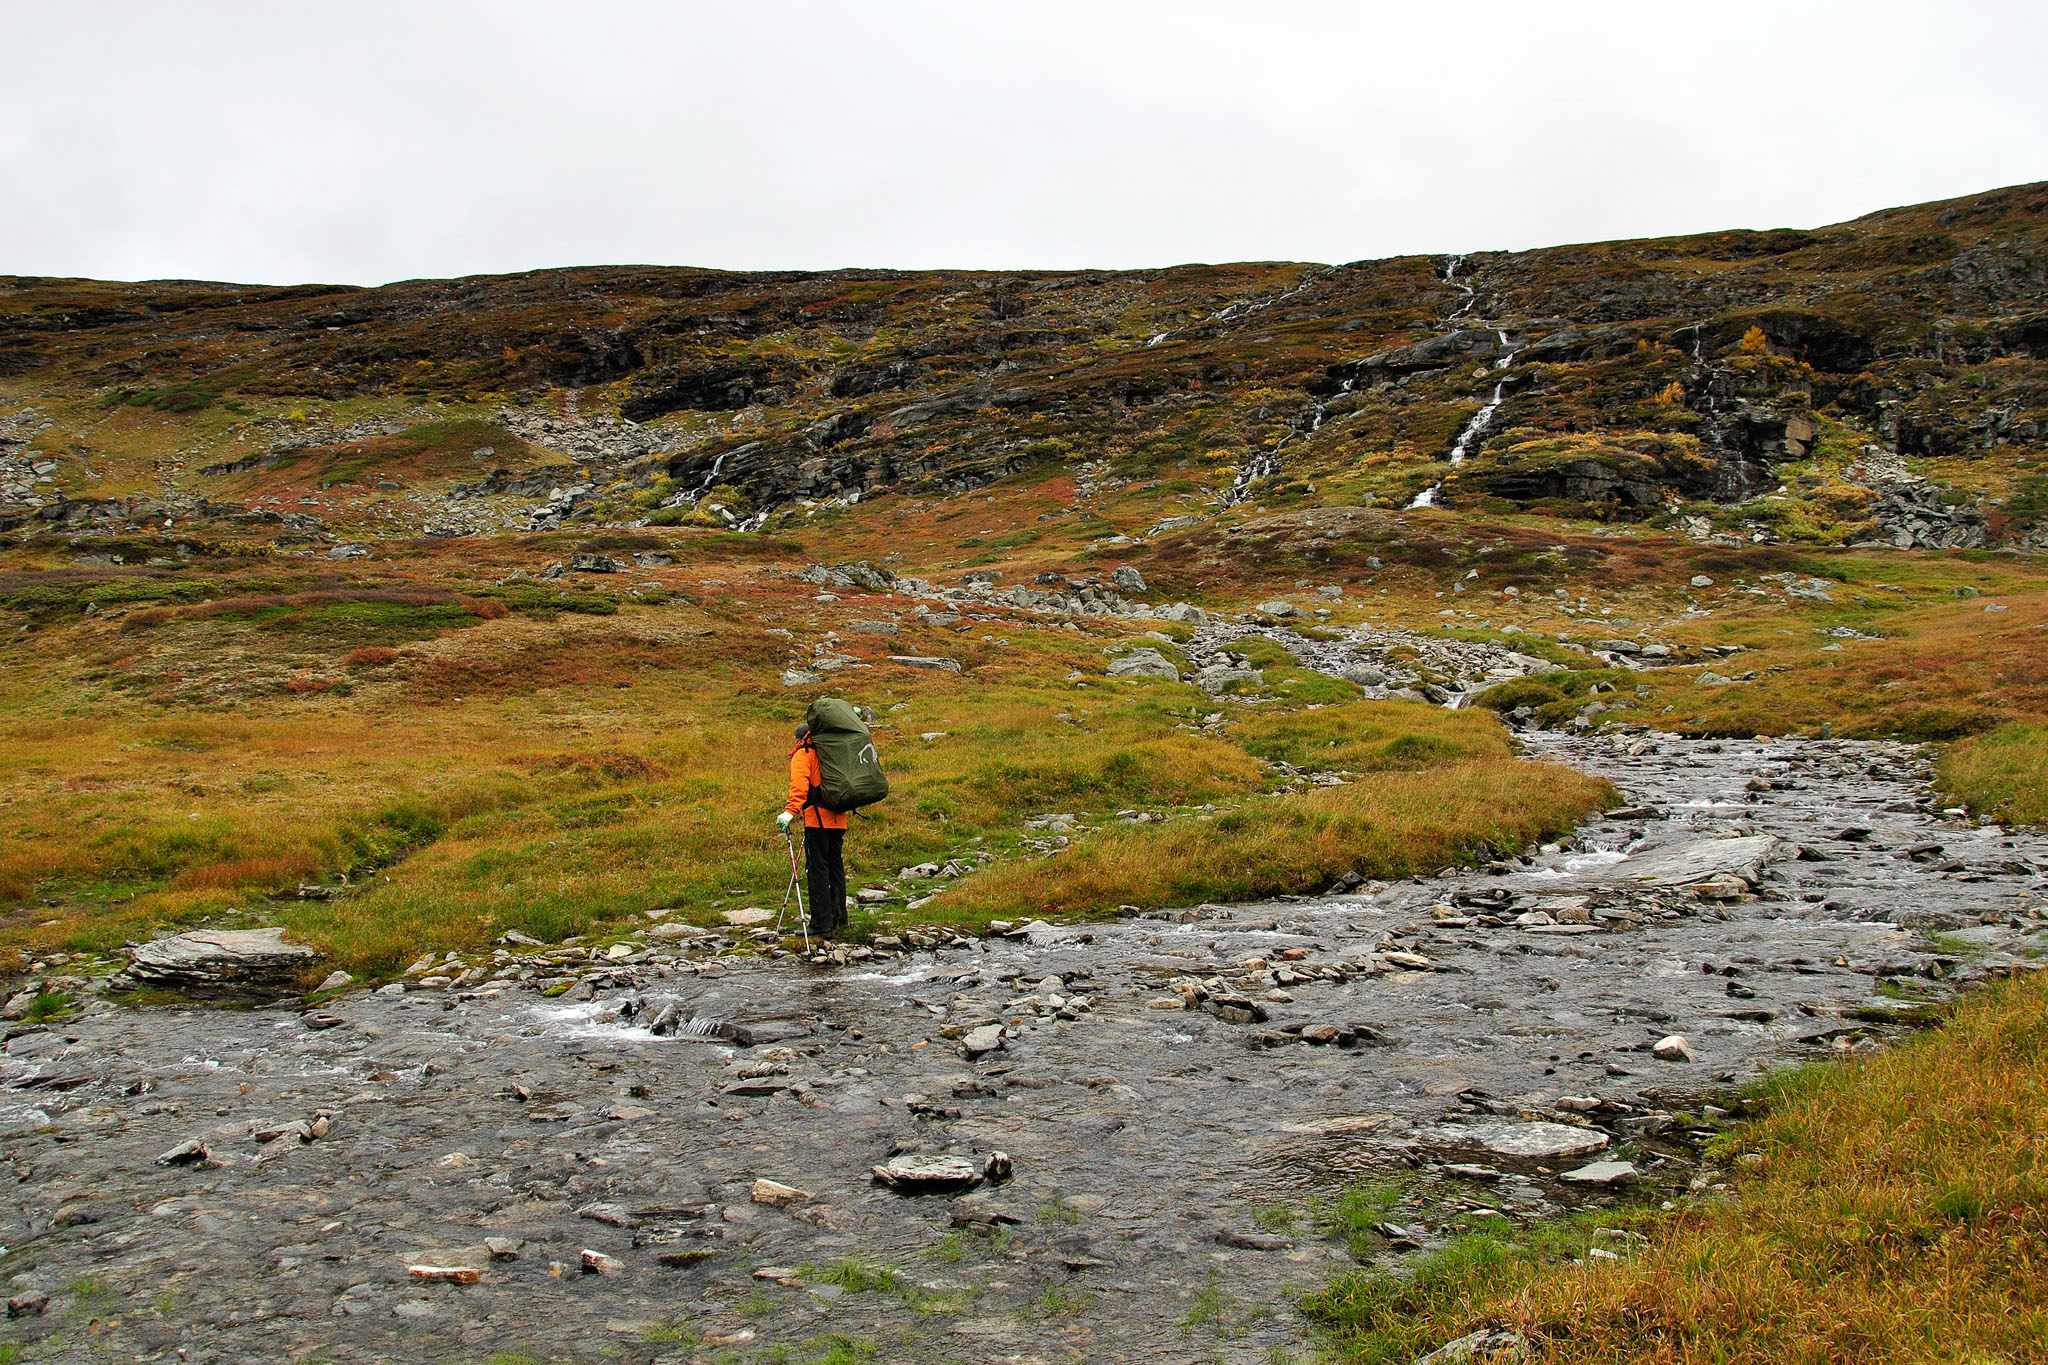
pixel 433 602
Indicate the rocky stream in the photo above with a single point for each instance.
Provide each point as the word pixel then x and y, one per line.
pixel 1101 1142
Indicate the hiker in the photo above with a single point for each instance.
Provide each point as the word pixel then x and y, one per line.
pixel 832 770
pixel 824 837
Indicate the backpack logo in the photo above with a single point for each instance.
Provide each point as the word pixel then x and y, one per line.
pixel 866 754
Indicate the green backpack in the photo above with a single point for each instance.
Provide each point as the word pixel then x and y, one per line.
pixel 850 773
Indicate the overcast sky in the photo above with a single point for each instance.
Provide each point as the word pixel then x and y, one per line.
pixel 364 142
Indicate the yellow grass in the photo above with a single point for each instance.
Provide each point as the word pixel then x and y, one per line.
pixel 1900 1213
pixel 1889 1209
pixel 1380 825
pixel 2003 774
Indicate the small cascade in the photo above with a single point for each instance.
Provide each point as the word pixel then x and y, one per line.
pixel 711 478
pixel 1477 426
pixel 1471 294
pixel 1264 462
pixel 1697 358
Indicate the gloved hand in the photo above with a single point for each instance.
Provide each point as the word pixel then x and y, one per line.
pixel 782 821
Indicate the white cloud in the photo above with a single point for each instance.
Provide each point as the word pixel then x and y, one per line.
pixel 366 142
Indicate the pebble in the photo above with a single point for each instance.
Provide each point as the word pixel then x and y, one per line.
pixel 1673 1048
pixel 775 1194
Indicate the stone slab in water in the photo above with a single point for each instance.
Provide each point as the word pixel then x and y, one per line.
pixel 1528 1141
pixel 220 958
pixel 1681 864
pixel 914 1173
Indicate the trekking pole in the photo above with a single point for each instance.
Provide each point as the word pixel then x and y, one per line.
pixel 796 886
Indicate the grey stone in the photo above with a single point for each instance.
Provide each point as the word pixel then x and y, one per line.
pixel 925 661
pixel 986 1038
pixel 1698 861
pixel 1144 663
pixel 1127 579
pixel 1279 609
pixel 1532 1141
pixel 220 961
pixel 919 1173
pixel 1601 1173
pixel 1673 1048
pixel 1488 1346
pixel 1217 677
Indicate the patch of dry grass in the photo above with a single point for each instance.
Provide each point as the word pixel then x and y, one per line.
pixel 1381 825
pixel 1887 1209
pixel 2003 774
pixel 1899 1213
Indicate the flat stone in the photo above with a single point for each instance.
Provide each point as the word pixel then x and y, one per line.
pixel 1144 663
pixel 777 1195
pixel 1235 1009
pixel 444 1274
pixel 1601 1173
pixel 1535 1141
pixel 753 914
pixel 987 1038
pixel 1683 864
pixel 927 662
pixel 220 960
pixel 918 1173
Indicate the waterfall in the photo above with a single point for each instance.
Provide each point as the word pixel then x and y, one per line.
pixel 1474 428
pixel 1483 416
pixel 1471 294
pixel 1264 462
pixel 712 477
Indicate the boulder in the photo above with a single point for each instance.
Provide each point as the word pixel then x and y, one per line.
pixel 1277 609
pixel 1217 677
pixel 589 563
pixel 218 961
pixel 1127 579
pixel 1673 1048
pixel 986 1038
pixel 1144 663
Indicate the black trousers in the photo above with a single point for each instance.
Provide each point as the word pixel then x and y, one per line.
pixel 825 876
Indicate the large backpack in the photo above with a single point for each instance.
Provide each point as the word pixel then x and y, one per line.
pixel 850 773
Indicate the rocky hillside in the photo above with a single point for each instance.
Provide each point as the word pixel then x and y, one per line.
pixel 1884 380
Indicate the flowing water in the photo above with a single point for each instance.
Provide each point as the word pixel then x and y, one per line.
pixel 1145 1134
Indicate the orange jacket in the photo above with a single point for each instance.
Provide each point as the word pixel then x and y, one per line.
pixel 805 774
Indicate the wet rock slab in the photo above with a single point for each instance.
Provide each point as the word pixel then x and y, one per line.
pixel 220 962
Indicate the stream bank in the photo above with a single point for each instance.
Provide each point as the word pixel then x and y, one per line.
pixel 1765 901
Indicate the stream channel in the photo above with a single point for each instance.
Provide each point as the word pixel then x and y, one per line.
pixel 1759 899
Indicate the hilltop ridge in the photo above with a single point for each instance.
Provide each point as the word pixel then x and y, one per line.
pixel 1881 379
